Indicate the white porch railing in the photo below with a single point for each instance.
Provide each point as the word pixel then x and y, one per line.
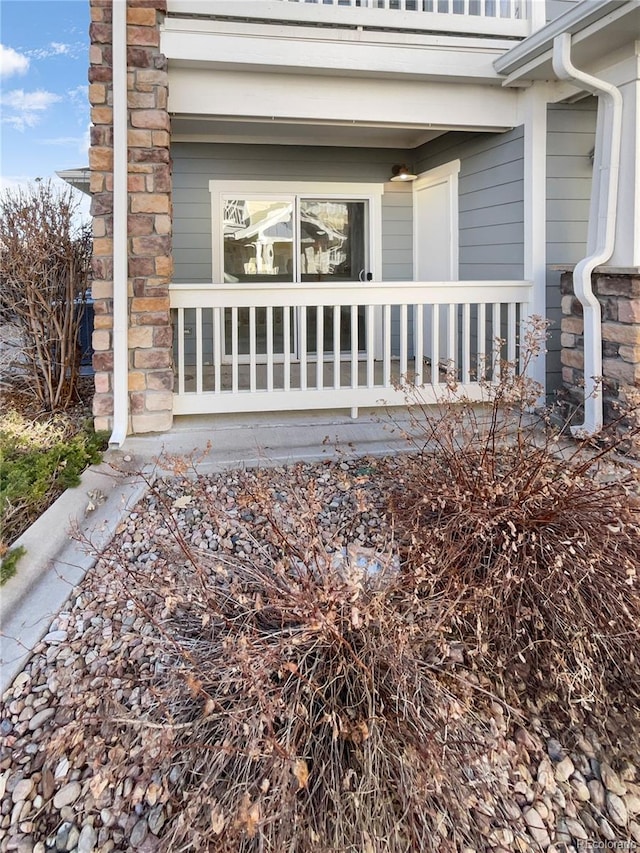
pixel 260 347
pixel 509 18
pixel 480 8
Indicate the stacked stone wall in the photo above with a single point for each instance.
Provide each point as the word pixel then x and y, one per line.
pixel 150 374
pixel 619 297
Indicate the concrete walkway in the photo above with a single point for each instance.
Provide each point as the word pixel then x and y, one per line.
pixel 58 553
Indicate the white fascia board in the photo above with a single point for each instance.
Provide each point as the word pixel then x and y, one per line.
pixel 348 100
pixel 307 51
pixel 535 48
pixel 333 16
pixel 616 67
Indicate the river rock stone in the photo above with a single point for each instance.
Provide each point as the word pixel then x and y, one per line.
pixel 40 718
pixel 606 829
pixel 138 833
pixel 576 829
pixel 580 790
pixel 48 783
pixel 22 790
pixel 564 769
pixel 87 840
pixel 545 777
pixel 72 840
pixel 632 802
pixel 67 795
pixel 555 750
pixel 598 793
pixel 611 780
pixel 62 836
pixel 537 829
pixel 156 819
pixel 55 637
pixel 617 809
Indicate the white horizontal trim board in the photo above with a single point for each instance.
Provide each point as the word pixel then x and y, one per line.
pixel 264 294
pixel 335 97
pixel 266 347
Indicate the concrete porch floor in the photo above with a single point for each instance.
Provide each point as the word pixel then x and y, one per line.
pixel 268 438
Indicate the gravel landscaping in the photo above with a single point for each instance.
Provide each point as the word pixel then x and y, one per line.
pixel 560 790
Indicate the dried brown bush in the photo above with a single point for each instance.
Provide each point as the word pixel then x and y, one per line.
pixel 44 269
pixel 298 702
pixel 529 547
pixel 292 700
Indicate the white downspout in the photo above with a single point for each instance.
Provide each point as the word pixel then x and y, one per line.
pixel 602 231
pixel 120 259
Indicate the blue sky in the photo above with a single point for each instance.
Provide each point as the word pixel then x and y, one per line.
pixel 44 50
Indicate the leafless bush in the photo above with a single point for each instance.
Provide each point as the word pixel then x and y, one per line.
pixel 293 700
pixel 44 268
pixel 298 702
pixel 529 546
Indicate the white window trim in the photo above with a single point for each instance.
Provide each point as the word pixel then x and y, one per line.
pixel 285 190
pixel 445 174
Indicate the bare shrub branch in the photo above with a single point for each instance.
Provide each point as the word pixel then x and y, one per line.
pixel 44 270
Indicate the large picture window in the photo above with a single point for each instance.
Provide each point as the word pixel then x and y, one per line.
pixel 300 239
pixel 294 232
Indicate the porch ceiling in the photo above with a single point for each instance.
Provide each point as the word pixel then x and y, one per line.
pixel 186 128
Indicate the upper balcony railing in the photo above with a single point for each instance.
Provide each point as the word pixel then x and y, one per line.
pixel 502 18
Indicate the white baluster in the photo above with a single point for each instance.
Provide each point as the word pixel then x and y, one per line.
pixel 466 343
pixel 336 346
pixel 404 344
pixel 418 341
pixel 371 377
pixel 180 350
pixel 435 345
pixel 354 346
pixel 252 348
pixel 511 333
pixel 286 335
pixel 269 348
pixel 303 348
pixel 234 350
pixel 386 352
pixel 199 357
pixel 482 337
pixel 452 348
pixel 218 342
pixel 497 343
pixel 320 347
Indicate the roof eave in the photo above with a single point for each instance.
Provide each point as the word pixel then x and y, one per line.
pixel 538 45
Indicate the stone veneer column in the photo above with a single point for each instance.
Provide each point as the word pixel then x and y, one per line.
pixel 619 297
pixel 149 216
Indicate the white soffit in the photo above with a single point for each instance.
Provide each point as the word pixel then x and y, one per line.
pixel 203 129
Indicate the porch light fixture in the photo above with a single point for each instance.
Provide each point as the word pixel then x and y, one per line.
pixel 401 173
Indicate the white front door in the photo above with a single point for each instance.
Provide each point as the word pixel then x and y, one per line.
pixel 435 241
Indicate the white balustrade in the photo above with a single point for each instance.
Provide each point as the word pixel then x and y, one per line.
pixel 260 347
pixel 481 8
pixel 507 18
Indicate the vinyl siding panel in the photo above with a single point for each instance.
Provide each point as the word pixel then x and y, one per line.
pixel 555 8
pixel 490 202
pixel 570 139
pixel 195 164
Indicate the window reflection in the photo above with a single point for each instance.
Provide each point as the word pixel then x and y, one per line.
pixel 258 240
pixel 332 240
